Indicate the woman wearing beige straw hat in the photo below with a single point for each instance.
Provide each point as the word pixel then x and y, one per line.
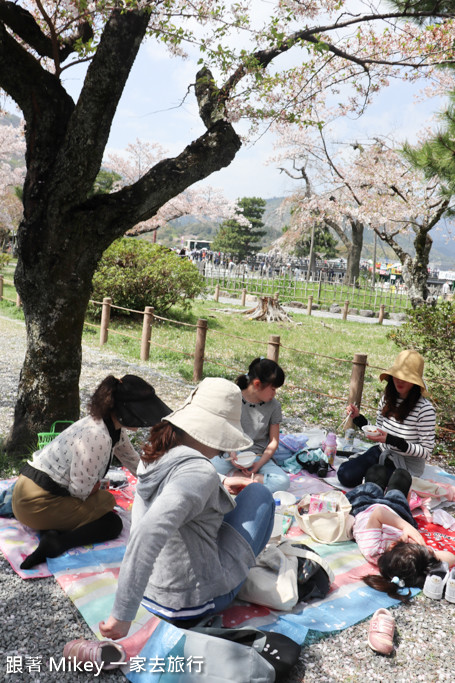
pixel 405 424
pixel 191 544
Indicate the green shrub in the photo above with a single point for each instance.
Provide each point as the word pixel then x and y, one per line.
pixel 4 259
pixel 136 274
pixel 431 331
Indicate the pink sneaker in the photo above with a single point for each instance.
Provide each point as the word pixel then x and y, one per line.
pixel 381 631
pixel 105 653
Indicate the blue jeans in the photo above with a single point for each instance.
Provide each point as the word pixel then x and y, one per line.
pixel 253 518
pixel 275 479
pixel 361 497
pixel 352 472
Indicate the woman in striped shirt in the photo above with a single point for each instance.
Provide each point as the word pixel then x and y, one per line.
pixel 405 423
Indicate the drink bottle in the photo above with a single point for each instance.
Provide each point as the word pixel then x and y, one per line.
pixel 330 447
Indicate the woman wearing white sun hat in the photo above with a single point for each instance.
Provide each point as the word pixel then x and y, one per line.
pixel 191 545
pixel 405 423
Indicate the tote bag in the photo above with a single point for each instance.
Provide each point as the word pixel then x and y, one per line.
pixel 332 523
pixel 272 582
pixel 279 577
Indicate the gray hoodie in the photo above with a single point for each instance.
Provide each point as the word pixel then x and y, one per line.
pixel 180 552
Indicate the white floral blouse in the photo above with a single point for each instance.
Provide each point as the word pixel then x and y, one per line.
pixel 79 457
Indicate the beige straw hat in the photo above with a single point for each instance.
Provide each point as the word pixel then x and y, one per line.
pixel 408 366
pixel 211 414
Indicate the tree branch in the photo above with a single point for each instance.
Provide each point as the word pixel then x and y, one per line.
pixel 120 211
pixel 90 124
pixel 262 58
pixel 22 23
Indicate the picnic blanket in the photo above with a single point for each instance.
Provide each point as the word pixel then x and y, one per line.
pixel 89 577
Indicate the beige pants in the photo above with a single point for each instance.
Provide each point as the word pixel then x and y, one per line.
pixel 40 510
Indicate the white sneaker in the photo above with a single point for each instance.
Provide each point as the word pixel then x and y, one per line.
pixel 450 587
pixel 435 582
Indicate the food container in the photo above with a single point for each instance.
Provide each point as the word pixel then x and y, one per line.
pixel 370 430
pixel 246 458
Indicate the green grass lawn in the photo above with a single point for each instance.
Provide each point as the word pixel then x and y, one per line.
pixel 316 387
pixel 233 341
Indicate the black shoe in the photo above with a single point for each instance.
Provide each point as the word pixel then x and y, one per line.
pixel 400 480
pixel 377 474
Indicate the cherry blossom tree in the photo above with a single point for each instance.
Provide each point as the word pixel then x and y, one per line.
pixel 275 65
pixel 376 188
pixel 12 172
pixel 326 196
pixel 397 199
pixel 12 149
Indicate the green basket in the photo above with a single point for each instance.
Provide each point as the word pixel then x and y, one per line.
pixel 46 437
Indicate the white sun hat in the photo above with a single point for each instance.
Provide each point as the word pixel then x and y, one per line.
pixel 211 415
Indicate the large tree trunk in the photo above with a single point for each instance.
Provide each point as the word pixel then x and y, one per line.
pixel 415 270
pixel 354 252
pixel 49 381
pixel 63 234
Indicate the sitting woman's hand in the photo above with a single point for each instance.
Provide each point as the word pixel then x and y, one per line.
pixel 233 459
pixel 379 437
pixel 235 484
pixel 352 411
pixel 114 628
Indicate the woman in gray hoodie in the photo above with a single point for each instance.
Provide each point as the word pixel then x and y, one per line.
pixel 191 544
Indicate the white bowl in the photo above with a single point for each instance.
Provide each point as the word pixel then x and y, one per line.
pixel 246 458
pixel 285 498
pixel 370 429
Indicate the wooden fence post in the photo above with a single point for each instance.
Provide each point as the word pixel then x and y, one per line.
pixel 309 307
pixel 217 292
pixel 146 332
pixel 1 287
pixel 273 347
pixel 319 291
pixel 243 296
pixel 105 318
pixel 381 314
pixel 345 310
pixel 201 333
pixel 18 300
pixel 359 364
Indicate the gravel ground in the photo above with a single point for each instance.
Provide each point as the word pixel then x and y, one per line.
pixel 37 619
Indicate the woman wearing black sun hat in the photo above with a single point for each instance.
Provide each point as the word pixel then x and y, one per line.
pixel 58 491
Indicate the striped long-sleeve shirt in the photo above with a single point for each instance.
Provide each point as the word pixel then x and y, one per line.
pixel 417 432
pixel 373 542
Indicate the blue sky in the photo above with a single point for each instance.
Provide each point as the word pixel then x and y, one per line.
pixel 152 109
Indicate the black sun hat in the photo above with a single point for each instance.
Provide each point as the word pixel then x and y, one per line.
pixel 136 403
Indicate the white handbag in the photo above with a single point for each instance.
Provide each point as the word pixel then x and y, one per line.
pixel 327 526
pixel 273 581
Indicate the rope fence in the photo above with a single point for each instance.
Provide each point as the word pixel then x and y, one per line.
pixel 359 363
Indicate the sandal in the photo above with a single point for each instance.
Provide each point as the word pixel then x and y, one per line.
pixel 380 634
pixel 105 653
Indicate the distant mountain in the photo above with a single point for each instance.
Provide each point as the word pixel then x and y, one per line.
pixel 10 119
